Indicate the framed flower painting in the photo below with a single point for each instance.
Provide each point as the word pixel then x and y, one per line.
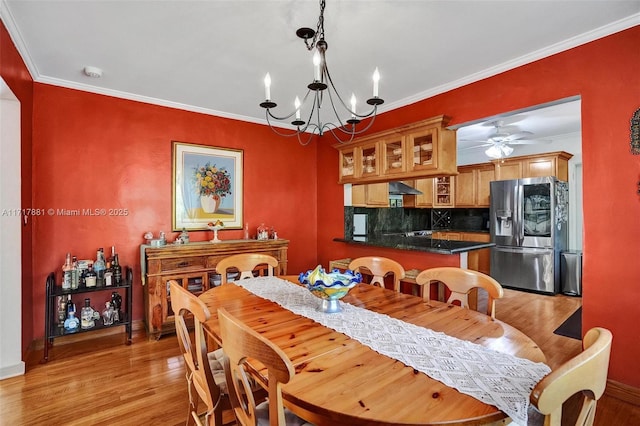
pixel 207 186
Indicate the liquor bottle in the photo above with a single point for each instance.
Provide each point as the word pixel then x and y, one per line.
pixel 82 277
pixel 99 267
pixel 66 273
pixel 108 275
pixel 117 270
pixel 71 307
pixel 116 302
pixel 75 274
pixel 86 316
pixel 90 278
pixel 62 310
pixel 108 314
pixel 71 323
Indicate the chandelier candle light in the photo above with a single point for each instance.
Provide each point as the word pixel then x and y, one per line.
pixel 321 84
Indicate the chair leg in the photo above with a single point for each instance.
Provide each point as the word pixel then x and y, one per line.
pixel 217 417
pixel 193 402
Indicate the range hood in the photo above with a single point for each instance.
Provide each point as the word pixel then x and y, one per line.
pixel 399 188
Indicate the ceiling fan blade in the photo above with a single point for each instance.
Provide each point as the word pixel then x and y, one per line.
pixel 529 141
pixel 516 136
pixel 475 147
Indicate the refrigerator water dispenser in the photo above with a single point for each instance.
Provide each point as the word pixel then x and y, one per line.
pixel 504 223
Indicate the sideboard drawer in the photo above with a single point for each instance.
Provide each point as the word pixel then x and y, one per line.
pixel 184 264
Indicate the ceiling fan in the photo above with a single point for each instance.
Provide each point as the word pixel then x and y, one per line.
pixel 500 141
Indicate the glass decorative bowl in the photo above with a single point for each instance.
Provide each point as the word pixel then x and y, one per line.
pixel 329 287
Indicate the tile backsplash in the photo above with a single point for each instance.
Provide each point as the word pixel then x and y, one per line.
pixel 381 220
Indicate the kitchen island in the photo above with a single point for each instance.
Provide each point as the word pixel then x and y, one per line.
pixel 420 244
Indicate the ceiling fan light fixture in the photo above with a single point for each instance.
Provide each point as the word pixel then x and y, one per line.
pixel 499 151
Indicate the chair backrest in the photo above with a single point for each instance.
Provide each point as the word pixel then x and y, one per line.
pixel 242 343
pixel 184 305
pixel 460 282
pixel 586 373
pixel 245 263
pixel 379 267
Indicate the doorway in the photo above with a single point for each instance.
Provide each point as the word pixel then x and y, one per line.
pixel 11 363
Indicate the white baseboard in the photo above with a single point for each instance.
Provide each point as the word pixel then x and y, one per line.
pixel 12 371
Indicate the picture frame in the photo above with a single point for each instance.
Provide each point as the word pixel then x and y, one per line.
pixel 207 186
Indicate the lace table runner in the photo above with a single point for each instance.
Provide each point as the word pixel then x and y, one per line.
pixel 492 377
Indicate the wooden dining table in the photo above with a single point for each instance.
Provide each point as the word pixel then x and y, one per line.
pixel 340 381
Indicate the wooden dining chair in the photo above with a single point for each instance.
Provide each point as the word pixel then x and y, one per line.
pixel 242 343
pixel 460 282
pixel 245 263
pixel 586 373
pixel 379 267
pixel 205 374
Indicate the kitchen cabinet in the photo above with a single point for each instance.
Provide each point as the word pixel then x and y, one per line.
pixel 472 185
pixel 436 192
pixel 425 199
pixel 193 266
pixel 478 260
pixel 422 149
pixel 447 235
pixel 394 159
pixel 443 191
pixel 371 195
pixel 347 158
pixel 548 164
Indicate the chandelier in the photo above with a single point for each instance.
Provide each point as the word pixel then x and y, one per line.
pixel 344 129
pixel 499 150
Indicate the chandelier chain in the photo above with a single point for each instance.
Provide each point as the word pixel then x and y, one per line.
pixel 319 34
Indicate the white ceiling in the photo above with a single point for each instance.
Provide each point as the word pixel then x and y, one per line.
pixel 211 56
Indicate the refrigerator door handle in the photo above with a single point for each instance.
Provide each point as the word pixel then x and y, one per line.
pixel 509 249
pixel 519 231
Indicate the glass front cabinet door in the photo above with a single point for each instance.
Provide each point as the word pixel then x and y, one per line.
pixel 394 155
pixel 423 146
pixel 369 160
pixel 347 164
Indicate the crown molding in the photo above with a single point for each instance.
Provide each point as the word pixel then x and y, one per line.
pixel 18 41
pixel 614 27
pixel 570 43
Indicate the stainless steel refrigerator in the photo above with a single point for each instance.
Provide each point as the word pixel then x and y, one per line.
pixel 528 223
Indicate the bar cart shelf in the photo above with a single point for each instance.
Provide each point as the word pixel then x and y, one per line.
pixel 52 330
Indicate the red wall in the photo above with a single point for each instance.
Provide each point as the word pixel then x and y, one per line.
pixel 605 74
pixel 94 151
pixel 15 74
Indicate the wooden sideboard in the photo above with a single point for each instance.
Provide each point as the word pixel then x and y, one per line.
pixel 194 266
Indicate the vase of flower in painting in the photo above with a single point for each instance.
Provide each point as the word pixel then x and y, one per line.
pixel 210 203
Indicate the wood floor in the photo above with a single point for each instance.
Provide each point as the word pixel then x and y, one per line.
pixel 104 382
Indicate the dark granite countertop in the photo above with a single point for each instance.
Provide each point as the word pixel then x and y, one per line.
pixel 474 231
pixel 425 244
